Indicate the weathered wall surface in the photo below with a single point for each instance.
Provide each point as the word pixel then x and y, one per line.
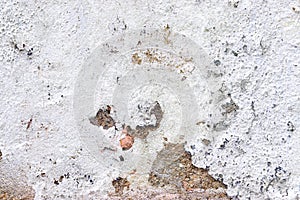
pixel 233 100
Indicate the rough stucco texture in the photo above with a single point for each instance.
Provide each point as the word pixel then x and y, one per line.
pixel 253 48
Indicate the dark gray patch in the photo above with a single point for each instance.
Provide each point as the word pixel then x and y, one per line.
pixel 291 126
pixel 121 158
pixel 143 131
pixel 217 62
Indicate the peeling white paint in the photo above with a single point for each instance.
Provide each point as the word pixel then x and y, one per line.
pixel 253 55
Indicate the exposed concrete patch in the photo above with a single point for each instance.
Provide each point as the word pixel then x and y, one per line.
pixel 103 118
pixel 173 176
pixel 120 184
pixel 173 168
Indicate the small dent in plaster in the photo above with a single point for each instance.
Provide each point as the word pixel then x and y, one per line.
pixel 234 53
pixel 43 174
pixel 88 178
pixel 108 149
pixel 206 142
pixel 118 25
pixel 80 179
pixel 121 158
pixel 30 52
pixel 254 118
pixel 18 47
pixel 167 34
pixel 222 146
pixel 60 179
pixel 274 181
pixel 136 59
pixel 230 107
pixel 29 123
pixel 103 118
pixel 217 62
pixel 296 9
pixel 120 184
pixel 291 126
pixel 22 48
pixel 53 161
pixel 226 106
pixel 264 47
pixel 56 182
pixel 243 85
pixel 233 3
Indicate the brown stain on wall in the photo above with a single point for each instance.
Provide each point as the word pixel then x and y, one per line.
pixel 120 184
pixel 103 118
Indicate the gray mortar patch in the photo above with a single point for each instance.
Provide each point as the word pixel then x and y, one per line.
pixel 143 131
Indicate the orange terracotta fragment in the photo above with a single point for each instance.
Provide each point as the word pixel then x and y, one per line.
pixel 126 140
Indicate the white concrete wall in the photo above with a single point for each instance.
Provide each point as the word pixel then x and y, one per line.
pixel 248 49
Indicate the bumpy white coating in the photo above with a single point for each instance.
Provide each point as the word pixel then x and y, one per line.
pixel 252 52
